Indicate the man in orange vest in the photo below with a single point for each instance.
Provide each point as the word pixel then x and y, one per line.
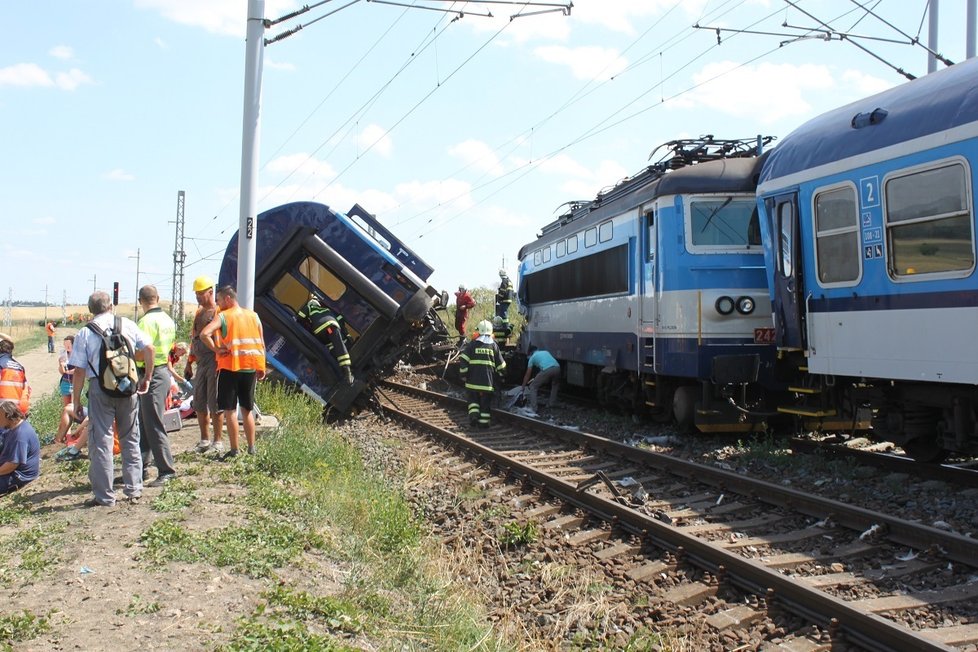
pixel 236 338
pixel 13 378
pixel 49 328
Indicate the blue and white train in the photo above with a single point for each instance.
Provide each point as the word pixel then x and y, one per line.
pixel 868 223
pixel 653 296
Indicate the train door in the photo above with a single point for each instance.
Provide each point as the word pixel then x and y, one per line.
pixel 788 277
pixel 647 295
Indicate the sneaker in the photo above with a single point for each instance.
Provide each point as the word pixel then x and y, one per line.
pixel 162 480
pixel 202 446
pixel 67 454
pixel 92 502
pixel 230 455
pixel 134 499
pixel 218 447
pixel 251 450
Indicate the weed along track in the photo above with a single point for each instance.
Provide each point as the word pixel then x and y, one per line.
pixel 686 547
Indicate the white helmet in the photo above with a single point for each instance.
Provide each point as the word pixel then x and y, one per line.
pixel 502 273
pixel 485 327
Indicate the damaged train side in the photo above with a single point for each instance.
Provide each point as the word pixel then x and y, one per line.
pixel 359 270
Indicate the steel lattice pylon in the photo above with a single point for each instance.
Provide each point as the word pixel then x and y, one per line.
pixel 179 256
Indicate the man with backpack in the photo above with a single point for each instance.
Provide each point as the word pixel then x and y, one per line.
pixel 105 353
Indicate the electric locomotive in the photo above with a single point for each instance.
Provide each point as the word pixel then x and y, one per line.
pixel 653 296
pixel 868 225
pixel 352 264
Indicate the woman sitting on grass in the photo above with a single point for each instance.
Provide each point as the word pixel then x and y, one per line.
pixel 20 458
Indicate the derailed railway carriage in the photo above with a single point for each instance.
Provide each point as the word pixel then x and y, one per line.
pixel 359 269
pixel 868 221
pixel 653 296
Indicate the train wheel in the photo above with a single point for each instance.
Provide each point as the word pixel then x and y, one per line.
pixel 926 449
pixel 684 407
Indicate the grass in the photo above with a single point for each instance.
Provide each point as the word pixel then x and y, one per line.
pixel 138 607
pixel 21 627
pixel 309 499
pixel 45 415
pixel 37 546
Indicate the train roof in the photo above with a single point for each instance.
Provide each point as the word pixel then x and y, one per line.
pixel 928 105
pixel 726 175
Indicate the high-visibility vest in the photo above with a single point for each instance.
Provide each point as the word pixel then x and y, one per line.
pixel 246 349
pixel 161 331
pixel 13 383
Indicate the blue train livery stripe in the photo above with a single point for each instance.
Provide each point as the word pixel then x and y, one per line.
pixel 903 301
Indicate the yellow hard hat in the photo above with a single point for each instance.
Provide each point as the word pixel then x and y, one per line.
pixel 202 283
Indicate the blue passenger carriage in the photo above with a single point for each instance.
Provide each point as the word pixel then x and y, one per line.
pixel 356 267
pixel 653 295
pixel 868 220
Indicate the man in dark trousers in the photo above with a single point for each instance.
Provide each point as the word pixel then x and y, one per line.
pixel 322 323
pixel 480 362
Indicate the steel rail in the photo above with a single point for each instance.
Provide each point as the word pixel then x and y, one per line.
pixel 944 472
pixel 915 535
pixel 867 629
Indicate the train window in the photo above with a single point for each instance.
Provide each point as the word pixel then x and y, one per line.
pixel 322 278
pixel 929 223
pixel 546 254
pixel 722 224
pixel 605 231
pixel 561 248
pixel 290 292
pixel 837 236
pixel 650 234
pixel 786 228
pixel 537 257
pixel 590 237
pixel 601 273
pixel 572 244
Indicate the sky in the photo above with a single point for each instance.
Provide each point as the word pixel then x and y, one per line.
pixel 464 135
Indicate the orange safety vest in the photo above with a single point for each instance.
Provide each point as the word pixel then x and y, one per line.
pixel 49 327
pixel 246 348
pixel 13 383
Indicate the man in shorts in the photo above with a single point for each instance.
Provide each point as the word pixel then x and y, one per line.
pixel 205 377
pixel 236 338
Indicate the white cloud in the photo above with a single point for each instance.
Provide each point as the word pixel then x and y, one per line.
pixel 585 62
pixel 25 74
pixel 565 165
pixel 62 52
pixel 227 17
pixel 69 81
pixel 477 154
pixel 160 43
pixel 864 84
pixel 727 88
pixel 375 138
pixel 31 74
pixel 47 219
pixel 275 65
pixel 301 164
pixel 425 194
pixel 118 174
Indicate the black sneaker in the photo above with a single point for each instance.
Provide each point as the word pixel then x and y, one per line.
pixel 230 455
pixel 162 480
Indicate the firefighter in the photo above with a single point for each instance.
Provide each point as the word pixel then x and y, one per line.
pixel 325 325
pixel 481 360
pixel 504 296
pixel 500 330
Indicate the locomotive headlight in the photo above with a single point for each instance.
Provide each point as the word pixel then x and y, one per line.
pixel 745 305
pixel 724 305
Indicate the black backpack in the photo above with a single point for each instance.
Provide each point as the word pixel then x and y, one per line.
pixel 117 375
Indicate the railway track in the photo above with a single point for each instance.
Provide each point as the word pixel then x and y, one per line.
pixel 739 548
pixel 964 475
